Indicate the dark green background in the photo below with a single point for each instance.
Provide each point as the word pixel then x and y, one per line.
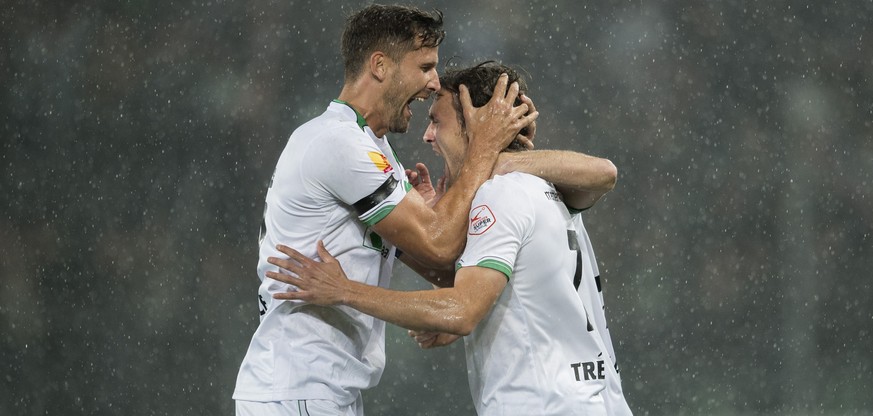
pixel 138 138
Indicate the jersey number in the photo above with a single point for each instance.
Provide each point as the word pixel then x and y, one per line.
pixel 573 242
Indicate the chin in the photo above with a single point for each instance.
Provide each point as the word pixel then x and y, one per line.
pixel 399 129
pixel 400 126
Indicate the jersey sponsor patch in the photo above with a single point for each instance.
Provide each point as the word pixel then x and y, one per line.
pixel 481 219
pixel 380 161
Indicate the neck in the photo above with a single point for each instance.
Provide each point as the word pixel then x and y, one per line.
pixel 366 100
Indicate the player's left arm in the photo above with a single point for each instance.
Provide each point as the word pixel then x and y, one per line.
pixel 455 310
pixel 582 179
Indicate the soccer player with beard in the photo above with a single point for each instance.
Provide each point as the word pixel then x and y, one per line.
pixel 527 294
pixel 339 181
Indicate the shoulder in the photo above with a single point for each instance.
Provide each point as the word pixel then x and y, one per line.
pixel 332 128
pixel 512 194
pixel 514 185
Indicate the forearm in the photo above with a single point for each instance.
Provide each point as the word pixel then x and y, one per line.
pixel 439 277
pixel 452 211
pixel 581 178
pixel 435 236
pixel 427 310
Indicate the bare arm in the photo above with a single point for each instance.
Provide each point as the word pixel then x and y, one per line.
pixel 435 237
pixel 456 310
pixel 581 178
pixel 421 182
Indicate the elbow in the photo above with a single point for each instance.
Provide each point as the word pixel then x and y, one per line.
pixel 610 175
pixel 455 317
pixel 461 326
pixel 466 328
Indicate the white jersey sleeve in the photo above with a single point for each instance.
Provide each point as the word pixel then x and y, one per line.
pixel 499 224
pixel 357 172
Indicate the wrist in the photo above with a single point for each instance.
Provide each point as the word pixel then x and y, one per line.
pixel 347 294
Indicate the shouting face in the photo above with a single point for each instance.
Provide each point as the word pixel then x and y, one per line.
pixel 445 134
pixel 413 78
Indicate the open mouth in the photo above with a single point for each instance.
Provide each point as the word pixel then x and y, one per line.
pixel 414 98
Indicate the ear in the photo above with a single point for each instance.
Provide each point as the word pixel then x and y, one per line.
pixel 379 63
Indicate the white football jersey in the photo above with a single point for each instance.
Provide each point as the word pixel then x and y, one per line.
pixel 544 348
pixel 333 181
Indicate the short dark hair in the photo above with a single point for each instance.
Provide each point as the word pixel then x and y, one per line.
pixel 393 29
pixel 480 81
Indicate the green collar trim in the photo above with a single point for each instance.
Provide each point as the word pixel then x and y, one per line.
pixel 362 122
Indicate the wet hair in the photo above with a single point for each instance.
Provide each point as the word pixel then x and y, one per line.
pixel 480 81
pixel 395 30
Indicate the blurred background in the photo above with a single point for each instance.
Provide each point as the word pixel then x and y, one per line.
pixel 138 138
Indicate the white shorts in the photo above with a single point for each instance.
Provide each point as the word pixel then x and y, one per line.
pixel 298 408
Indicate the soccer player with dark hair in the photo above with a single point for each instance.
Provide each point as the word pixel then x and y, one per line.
pixel 527 293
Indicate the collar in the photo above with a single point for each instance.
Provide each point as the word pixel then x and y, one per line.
pixel 360 119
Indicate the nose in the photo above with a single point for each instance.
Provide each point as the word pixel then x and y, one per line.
pixel 429 135
pixel 434 84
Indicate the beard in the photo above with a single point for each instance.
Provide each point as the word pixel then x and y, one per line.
pixel 398 123
pixel 396 103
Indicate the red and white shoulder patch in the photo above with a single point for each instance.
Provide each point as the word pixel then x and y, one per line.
pixel 481 219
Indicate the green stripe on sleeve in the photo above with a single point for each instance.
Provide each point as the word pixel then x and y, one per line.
pixel 493 265
pixel 378 215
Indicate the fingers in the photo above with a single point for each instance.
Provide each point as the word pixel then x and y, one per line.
pixel 423 172
pixel 527 143
pixel 500 88
pixel 441 186
pixel 325 255
pixel 525 99
pixel 421 335
pixel 511 94
pixel 424 339
pixel 293 254
pixel 531 129
pixel 529 118
pixel 466 102
pixel 284 278
pixel 290 265
pixel 295 263
pixel 293 295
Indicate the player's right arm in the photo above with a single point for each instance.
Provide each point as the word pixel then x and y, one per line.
pixel 436 236
pixel 455 310
pixel 582 179
pixel 421 182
